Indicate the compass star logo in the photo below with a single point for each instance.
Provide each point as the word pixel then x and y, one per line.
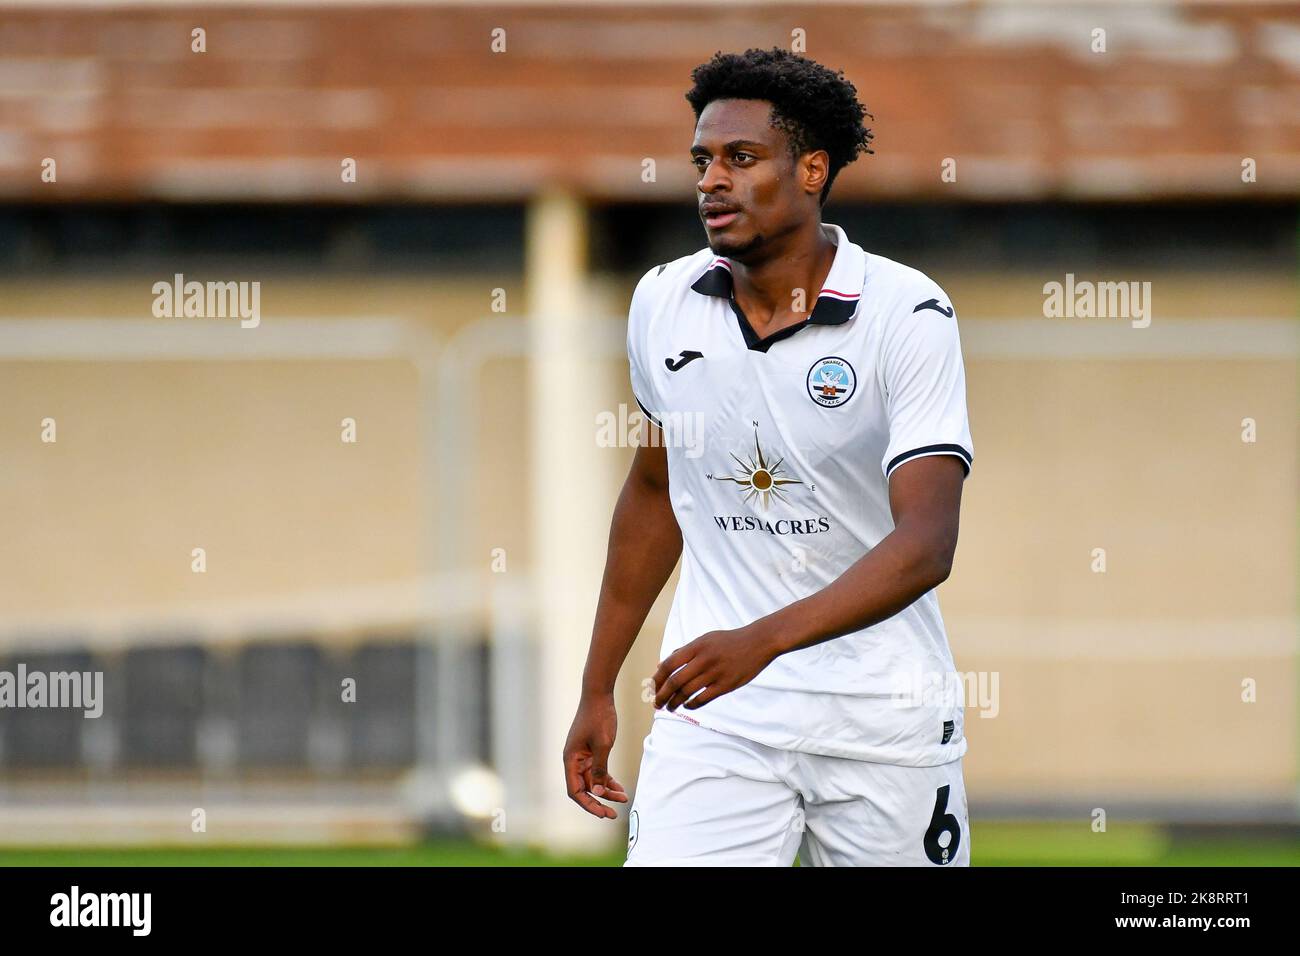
pixel 758 478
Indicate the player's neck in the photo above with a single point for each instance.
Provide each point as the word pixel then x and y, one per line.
pixel 768 291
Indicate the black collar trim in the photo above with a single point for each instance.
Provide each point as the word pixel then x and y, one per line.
pixel 832 308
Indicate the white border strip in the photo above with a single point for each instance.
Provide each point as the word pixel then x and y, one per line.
pixel 988 640
pixel 1117 339
pixel 126 340
pixel 106 340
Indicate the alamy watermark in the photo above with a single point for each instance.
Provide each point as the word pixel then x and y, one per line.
pixel 208 300
pixel 81 690
pixel 1085 299
pixel 74 908
pixel 948 689
pixel 622 429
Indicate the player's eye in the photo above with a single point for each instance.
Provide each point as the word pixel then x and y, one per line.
pixel 739 155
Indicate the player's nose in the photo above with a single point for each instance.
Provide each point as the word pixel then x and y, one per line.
pixel 713 179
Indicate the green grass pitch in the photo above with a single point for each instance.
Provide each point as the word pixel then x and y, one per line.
pixel 993 844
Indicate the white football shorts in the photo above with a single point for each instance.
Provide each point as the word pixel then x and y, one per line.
pixel 706 798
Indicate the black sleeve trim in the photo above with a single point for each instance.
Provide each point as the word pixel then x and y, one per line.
pixel 646 412
pixel 962 453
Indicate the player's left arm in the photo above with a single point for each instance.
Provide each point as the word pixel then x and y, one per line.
pixel 925 498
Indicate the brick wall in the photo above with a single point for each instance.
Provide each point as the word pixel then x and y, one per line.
pixel 583 94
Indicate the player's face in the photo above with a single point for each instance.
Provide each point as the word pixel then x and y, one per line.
pixel 746 172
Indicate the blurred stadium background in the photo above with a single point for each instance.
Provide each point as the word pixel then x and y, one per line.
pixel 463 300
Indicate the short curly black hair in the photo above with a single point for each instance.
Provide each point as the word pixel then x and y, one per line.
pixel 817 108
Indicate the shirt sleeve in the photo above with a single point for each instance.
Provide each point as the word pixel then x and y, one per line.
pixel 925 382
pixel 637 331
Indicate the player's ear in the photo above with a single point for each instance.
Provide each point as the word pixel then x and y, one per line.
pixel 814 168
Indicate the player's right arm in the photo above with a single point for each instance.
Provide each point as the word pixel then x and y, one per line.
pixel 644 545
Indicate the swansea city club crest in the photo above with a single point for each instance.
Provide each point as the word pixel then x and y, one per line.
pixel 831 381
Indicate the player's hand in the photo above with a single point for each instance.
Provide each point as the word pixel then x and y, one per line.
pixel 718 662
pixel 586 757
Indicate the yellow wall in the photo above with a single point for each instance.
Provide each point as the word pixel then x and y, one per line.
pixel 1126 681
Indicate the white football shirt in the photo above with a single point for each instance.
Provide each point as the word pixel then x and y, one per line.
pixel 779 455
